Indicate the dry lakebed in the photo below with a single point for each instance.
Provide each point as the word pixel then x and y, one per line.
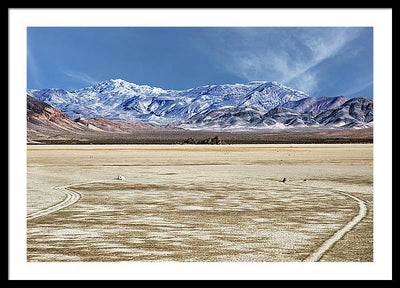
pixel 200 203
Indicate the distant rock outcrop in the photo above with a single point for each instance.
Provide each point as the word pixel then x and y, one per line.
pixel 190 140
pixel 211 141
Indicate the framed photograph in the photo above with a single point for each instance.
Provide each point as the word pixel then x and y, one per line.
pixel 200 143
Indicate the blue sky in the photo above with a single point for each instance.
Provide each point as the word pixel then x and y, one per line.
pixel 321 61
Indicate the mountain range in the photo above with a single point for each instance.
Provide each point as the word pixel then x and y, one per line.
pixel 249 106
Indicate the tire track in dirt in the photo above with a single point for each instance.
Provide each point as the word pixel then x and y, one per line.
pixel 71 198
pixel 328 244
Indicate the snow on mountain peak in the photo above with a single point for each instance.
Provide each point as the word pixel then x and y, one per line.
pixel 120 99
pixel 119 80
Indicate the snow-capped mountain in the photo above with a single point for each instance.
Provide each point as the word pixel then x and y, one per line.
pixel 230 118
pixel 327 112
pixel 253 105
pixel 356 112
pixel 315 105
pixel 119 99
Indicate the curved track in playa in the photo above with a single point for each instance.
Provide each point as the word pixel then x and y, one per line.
pixel 73 196
pixel 316 256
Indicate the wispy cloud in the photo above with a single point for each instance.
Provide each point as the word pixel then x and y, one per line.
pixel 322 46
pixel 363 84
pixel 308 82
pixel 83 77
pixel 34 73
pixel 286 55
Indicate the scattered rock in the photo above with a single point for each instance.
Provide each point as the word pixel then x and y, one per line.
pixel 284 180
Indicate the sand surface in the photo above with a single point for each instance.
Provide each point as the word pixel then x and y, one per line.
pixel 199 203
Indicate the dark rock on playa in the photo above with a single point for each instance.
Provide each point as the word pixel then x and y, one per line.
pixel 212 141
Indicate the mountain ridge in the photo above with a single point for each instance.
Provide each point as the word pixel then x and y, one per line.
pixel 47 122
pixel 252 105
pixel 335 112
pixel 48 125
pixel 119 99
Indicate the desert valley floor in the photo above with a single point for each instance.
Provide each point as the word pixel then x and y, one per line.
pixel 200 202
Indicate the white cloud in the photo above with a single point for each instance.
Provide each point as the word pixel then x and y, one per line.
pixel 322 47
pixel 80 76
pixel 308 82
